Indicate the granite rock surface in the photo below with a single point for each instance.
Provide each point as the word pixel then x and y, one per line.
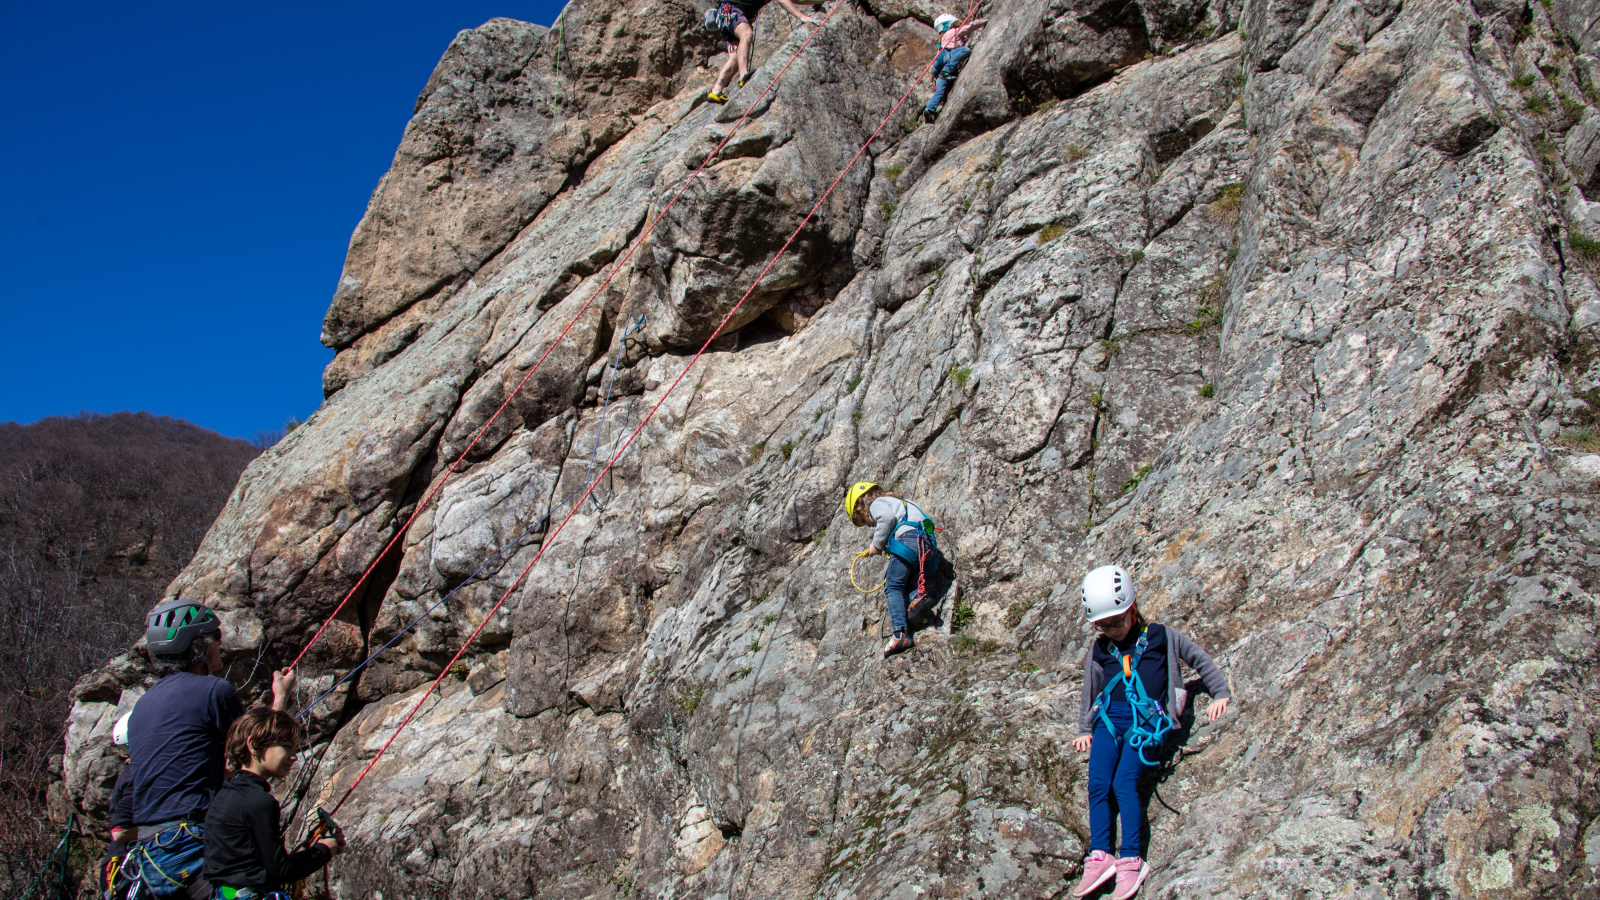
pixel 1287 306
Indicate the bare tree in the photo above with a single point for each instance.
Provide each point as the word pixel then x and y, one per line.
pixel 97 515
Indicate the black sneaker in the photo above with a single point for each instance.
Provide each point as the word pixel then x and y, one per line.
pixel 929 115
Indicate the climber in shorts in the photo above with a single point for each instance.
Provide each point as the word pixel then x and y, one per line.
pixel 953 53
pixel 736 20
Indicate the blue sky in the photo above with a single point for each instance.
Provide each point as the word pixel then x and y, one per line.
pixel 181 181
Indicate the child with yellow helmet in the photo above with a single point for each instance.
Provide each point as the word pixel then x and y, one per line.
pixel 906 534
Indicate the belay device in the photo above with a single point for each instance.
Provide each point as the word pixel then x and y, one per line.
pixel 322 828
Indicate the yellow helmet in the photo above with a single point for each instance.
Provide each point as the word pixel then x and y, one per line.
pixel 854 494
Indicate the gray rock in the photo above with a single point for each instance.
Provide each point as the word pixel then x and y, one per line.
pixel 1288 323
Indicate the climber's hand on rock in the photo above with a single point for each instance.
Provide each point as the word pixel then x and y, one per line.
pixel 1081 744
pixel 1216 709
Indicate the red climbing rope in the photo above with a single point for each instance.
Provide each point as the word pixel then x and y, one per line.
pixel 579 314
pixel 623 447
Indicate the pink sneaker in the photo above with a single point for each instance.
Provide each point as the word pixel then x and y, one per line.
pixel 1097 870
pixel 1131 872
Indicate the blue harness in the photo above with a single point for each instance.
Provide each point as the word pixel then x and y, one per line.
pixel 925 533
pixel 1150 722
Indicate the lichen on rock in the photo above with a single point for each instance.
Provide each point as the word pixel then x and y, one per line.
pixel 1286 307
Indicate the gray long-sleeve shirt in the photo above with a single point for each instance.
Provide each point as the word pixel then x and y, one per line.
pixel 1178 647
pixel 886 511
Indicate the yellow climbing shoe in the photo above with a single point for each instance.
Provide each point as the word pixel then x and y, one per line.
pixel 715 97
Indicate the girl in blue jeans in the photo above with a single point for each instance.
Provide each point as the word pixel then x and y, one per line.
pixel 903 531
pixel 1132 695
pixel 953 53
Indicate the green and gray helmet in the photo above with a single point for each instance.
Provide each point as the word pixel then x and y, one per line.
pixel 175 623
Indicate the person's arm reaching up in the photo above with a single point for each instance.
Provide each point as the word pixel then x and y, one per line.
pixel 963 31
pixel 283 685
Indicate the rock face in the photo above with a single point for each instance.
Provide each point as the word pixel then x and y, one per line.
pixel 1287 307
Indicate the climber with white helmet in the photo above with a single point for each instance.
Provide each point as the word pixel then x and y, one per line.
pixel 906 533
pixel 121 812
pixel 735 20
pixel 953 53
pixel 1133 695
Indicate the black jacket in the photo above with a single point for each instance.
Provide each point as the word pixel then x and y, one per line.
pixel 243 848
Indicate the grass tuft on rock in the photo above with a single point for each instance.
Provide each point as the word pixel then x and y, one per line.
pixel 1585 440
pixel 1051 232
pixel 1227 205
pixel 689 696
pixel 1132 484
pixel 962 615
pixel 1586 247
pixel 1016 611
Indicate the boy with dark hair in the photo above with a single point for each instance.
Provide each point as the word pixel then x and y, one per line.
pixel 245 856
pixel 175 737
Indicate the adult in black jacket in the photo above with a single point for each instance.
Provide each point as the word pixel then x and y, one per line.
pixel 245 855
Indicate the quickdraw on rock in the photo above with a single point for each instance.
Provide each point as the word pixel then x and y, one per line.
pixel 1150 721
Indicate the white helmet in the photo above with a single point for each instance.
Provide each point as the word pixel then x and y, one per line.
pixel 1107 592
pixel 944 23
pixel 119 731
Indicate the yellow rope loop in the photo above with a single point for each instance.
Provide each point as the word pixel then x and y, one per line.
pixel 856 585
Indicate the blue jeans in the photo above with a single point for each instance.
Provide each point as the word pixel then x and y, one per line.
pixel 1114 771
pixel 171 861
pixel 900 579
pixel 945 67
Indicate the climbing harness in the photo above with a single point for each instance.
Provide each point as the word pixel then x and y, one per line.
pixel 853 575
pixel 1150 722
pixel 140 860
pixel 616 268
pixel 622 448
pixel 924 529
pixel 925 543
